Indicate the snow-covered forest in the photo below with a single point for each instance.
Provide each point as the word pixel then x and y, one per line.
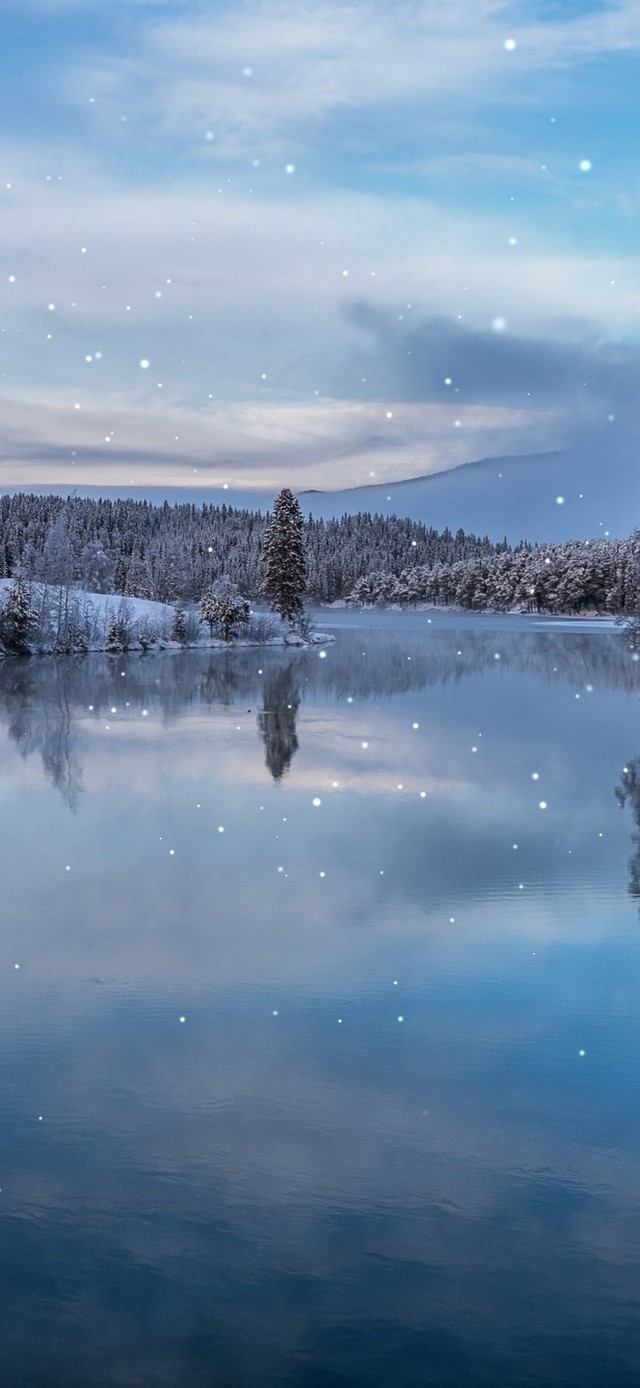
pixel 589 575
pixel 173 554
pixel 166 553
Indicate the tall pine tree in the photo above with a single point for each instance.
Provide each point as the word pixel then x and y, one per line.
pixel 284 564
pixel 18 619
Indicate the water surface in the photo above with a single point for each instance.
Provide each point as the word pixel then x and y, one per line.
pixel 320 1063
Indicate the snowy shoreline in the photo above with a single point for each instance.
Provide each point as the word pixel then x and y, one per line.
pixel 146 625
pixel 64 620
pixel 543 615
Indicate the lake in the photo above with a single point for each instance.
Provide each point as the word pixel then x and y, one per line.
pixel 320 1000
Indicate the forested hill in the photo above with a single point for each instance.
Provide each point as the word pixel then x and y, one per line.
pixel 170 552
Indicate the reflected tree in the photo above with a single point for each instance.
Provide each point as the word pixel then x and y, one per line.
pixel 60 753
pixel 18 697
pixel 221 681
pixel 277 720
pixel 45 701
pixel 41 720
pixel 628 792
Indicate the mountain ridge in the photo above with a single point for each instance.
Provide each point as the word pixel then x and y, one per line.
pixel 553 496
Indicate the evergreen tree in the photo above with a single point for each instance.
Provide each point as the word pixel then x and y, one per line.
pixel 283 557
pixel 225 608
pixel 77 638
pixel 113 642
pixel 176 553
pixel 58 553
pixel 120 629
pixel 209 609
pixel 179 628
pixel 17 619
pixel 96 568
pixel 234 612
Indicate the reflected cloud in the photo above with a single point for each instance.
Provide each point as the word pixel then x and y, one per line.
pixel 272 1066
pixel 181 820
pixel 49 706
pixel 245 1171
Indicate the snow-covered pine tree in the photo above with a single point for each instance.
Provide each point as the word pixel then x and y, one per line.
pixel 209 609
pixel 17 619
pixel 225 608
pixel 77 638
pixel 113 642
pixel 179 628
pixel 284 565
pixel 234 611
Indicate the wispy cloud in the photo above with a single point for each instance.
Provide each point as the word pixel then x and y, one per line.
pixel 275 71
pixel 216 190
pixel 333 443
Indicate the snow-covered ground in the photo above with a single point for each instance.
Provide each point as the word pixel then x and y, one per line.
pixel 103 603
pixel 95 612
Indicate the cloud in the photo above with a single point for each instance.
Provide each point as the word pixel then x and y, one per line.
pixel 249 259
pixel 259 343
pixel 274 72
pixel 236 281
pixel 496 368
pixel 327 443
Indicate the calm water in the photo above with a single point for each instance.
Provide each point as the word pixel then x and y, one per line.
pixel 300 1093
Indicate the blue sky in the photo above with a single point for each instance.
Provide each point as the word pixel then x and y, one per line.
pixel 313 221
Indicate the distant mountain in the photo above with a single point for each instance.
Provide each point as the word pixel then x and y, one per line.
pixel 512 496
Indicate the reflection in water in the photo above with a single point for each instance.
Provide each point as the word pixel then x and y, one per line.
pixel 322 1075
pixel 42 721
pixel 629 791
pixel 277 720
pixel 218 682
pixel 46 699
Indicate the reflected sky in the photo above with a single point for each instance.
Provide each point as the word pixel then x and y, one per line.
pixel 292 1185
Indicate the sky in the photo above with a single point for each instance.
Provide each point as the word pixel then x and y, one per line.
pixel 314 244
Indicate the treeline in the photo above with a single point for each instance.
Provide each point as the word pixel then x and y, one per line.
pixel 171 553
pixel 175 553
pixel 590 575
